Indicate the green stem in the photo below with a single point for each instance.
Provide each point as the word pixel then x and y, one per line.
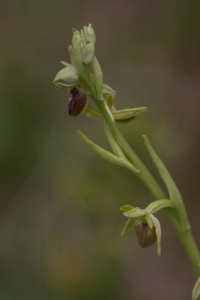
pixel 186 237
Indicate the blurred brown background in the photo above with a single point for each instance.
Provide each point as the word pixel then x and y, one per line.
pixel 60 221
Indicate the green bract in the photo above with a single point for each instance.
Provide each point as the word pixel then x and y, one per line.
pixel 67 77
pixel 196 290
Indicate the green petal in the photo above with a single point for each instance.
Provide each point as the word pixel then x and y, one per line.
pixel 128 227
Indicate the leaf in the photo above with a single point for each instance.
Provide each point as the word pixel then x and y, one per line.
pixel 136 213
pixel 109 101
pixel 174 193
pixel 196 290
pixel 128 227
pixel 107 155
pixel 126 207
pixel 128 113
pixel 158 233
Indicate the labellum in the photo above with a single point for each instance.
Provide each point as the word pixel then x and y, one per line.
pixel 78 103
pixel 146 236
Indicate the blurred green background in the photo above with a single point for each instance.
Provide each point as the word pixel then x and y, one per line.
pixel 60 221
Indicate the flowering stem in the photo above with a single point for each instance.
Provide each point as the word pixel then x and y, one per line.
pixel 185 235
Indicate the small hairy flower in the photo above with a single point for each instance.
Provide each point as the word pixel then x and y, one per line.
pixel 78 103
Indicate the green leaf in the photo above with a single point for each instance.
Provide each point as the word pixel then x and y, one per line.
pixel 159 204
pixel 107 155
pixel 128 113
pixel 126 207
pixel 136 213
pixel 174 193
pixel 196 290
pixel 158 233
pixel 128 227
pixel 109 101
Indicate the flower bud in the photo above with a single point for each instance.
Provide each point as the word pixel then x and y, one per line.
pixel 88 53
pixel 89 34
pixel 75 39
pixel 67 77
pixel 78 103
pixel 146 236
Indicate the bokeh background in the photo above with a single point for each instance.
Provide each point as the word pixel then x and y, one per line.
pixel 60 221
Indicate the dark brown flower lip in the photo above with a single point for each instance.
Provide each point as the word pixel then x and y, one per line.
pixel 78 103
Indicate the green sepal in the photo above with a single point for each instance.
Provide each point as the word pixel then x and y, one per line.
pixel 109 101
pixel 135 213
pixel 174 193
pixel 158 204
pixel 107 155
pixel 196 290
pixel 128 227
pixel 128 113
pixel 158 233
pixel 67 77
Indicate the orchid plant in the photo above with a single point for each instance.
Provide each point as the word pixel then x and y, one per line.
pixel 83 78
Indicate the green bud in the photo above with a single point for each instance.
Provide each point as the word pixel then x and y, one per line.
pixel 146 236
pixel 67 77
pixel 76 38
pixel 88 53
pixel 89 34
